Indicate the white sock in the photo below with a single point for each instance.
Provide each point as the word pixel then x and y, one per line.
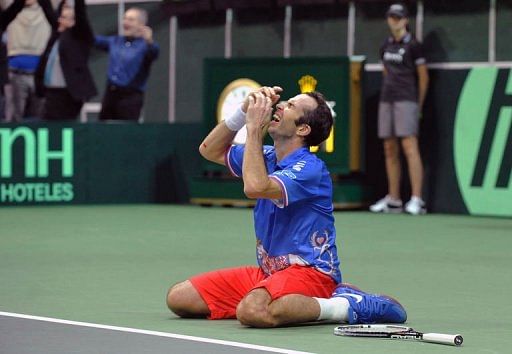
pixel 394 200
pixel 334 309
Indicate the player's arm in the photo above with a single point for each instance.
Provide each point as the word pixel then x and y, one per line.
pixel 215 145
pixel 422 83
pixel 257 183
pixel 418 56
pixel 102 42
pixel 10 13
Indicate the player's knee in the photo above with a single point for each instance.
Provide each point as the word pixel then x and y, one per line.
pixel 173 297
pixel 254 315
pixel 185 301
pixel 177 299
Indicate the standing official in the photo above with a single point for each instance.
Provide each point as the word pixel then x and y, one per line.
pixel 404 88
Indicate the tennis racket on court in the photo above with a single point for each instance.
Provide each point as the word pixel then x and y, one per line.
pixel 397 332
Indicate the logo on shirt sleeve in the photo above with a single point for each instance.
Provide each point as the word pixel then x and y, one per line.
pixel 286 173
pixel 299 166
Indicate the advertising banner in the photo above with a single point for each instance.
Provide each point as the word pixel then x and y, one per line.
pixel 52 163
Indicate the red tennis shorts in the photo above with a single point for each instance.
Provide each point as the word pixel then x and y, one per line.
pixel 223 289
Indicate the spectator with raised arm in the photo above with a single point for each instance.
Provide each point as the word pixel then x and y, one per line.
pixel 27 36
pixel 6 16
pixel 63 74
pixel 130 59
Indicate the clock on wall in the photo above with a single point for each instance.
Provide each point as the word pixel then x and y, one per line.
pixel 230 100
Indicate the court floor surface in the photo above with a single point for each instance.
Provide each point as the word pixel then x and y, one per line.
pixel 91 279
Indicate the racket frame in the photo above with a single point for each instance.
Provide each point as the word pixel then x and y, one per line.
pixel 396 332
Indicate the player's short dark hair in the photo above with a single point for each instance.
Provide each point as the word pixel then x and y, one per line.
pixel 319 119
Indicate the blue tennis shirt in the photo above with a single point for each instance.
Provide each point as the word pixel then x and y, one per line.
pixel 299 227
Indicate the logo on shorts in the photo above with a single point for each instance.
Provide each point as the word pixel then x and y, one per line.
pixel 483 142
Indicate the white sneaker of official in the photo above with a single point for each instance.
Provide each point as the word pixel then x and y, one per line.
pixel 387 205
pixel 415 206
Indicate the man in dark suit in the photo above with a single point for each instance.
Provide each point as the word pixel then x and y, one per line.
pixel 63 74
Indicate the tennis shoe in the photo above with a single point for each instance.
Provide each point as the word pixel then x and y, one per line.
pixel 415 206
pixel 387 205
pixel 370 308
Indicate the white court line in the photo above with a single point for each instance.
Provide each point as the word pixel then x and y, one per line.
pixel 151 333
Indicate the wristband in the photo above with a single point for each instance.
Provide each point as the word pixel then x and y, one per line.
pixel 236 121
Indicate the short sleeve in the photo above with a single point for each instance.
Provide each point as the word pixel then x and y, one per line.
pixel 418 56
pixel 234 159
pixel 102 42
pixel 382 49
pixel 298 182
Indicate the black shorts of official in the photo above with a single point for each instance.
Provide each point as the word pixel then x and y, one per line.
pixel 121 103
pixel 60 105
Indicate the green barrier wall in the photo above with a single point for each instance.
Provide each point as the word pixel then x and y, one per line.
pixel 96 163
pixel 466 143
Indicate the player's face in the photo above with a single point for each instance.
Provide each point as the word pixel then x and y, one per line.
pixel 396 23
pixel 131 23
pixel 283 123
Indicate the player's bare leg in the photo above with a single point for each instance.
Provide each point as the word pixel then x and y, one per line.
pixel 184 300
pixel 393 167
pixel 258 310
pixel 414 164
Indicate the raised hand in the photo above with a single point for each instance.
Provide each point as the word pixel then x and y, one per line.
pixel 258 111
pixel 274 93
pixel 147 33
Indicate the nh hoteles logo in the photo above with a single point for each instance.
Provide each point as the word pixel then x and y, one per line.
pixel 483 142
pixel 25 172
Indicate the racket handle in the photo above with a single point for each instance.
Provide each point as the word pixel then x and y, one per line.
pixel 450 339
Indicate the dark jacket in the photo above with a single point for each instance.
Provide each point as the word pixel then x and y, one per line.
pixel 6 17
pixel 74 49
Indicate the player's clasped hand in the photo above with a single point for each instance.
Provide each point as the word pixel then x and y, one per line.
pixel 274 93
pixel 258 111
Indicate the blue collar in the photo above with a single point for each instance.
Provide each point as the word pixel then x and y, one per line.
pixel 292 157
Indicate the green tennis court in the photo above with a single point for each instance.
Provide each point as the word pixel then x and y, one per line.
pixel 112 265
